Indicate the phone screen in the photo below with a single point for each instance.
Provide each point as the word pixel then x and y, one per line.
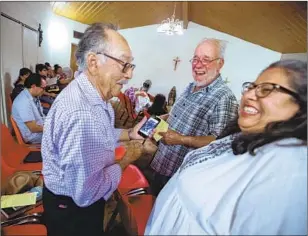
pixel 148 126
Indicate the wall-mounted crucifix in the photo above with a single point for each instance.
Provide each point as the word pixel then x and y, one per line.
pixel 226 80
pixel 176 61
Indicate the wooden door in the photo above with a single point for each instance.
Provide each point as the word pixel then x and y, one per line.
pixel 73 58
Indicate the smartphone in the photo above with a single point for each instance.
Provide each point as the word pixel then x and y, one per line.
pixel 148 126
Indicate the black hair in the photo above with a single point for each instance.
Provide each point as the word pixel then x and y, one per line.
pixel 40 67
pixel 22 72
pixel 158 106
pixel 296 127
pixel 35 79
pixel 47 64
pixel 56 67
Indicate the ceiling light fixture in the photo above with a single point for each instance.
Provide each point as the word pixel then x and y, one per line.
pixel 171 25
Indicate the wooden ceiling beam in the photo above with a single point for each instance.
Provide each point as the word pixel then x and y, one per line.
pixel 185 14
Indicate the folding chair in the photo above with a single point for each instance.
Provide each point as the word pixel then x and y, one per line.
pixel 13 154
pixel 134 203
pixel 19 136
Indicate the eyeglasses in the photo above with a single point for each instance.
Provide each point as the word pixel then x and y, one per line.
pixel 264 89
pixel 203 61
pixel 126 66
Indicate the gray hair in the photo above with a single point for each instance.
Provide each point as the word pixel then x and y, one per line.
pixel 94 40
pixel 221 45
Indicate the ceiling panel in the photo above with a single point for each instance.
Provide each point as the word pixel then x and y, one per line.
pixel 280 26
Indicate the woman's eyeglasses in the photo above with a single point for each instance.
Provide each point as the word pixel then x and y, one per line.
pixel 264 89
pixel 126 66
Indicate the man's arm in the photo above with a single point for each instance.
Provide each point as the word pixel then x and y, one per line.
pixel 34 127
pixel 224 112
pixel 50 94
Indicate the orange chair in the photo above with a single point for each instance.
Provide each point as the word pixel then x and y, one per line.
pixel 19 136
pixel 13 153
pixel 46 105
pixel 134 210
pixel 122 104
pixel 131 112
pixel 25 230
pixel 119 153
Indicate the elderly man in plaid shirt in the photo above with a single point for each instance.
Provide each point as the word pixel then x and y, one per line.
pixel 199 115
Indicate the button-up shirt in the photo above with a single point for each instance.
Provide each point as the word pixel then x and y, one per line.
pixel 78 145
pixel 202 113
pixel 25 108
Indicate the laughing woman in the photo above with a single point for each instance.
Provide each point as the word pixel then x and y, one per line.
pixel 253 180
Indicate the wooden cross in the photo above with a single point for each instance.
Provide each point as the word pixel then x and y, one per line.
pixel 176 61
pixel 226 80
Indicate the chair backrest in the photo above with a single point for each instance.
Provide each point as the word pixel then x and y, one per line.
pixel 10 149
pixel 132 177
pixel 129 107
pixel 135 212
pixel 17 131
pixel 6 172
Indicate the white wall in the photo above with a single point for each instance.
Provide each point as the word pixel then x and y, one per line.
pixel 33 13
pixel 154 54
pixel 56 49
pixel 296 56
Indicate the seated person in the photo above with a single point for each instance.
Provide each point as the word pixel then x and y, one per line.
pixel 159 106
pixel 50 73
pixel 27 110
pixel 62 78
pixel 19 86
pixel 139 98
pixel 253 179
pixel 46 97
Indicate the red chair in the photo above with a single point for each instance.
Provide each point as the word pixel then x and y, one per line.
pixel 134 210
pixel 13 153
pixel 119 153
pixel 19 136
pixel 25 230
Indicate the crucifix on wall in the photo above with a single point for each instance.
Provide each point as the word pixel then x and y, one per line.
pixel 176 61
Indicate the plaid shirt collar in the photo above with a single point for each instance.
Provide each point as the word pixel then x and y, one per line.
pixel 90 91
pixel 216 83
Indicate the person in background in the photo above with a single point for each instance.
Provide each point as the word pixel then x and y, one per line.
pixel 46 97
pixel 27 110
pixel 253 179
pixel 19 84
pixel 50 73
pixel 158 107
pixel 62 78
pixel 198 116
pixel 79 140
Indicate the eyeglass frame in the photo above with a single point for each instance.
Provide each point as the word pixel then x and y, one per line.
pixel 199 60
pixel 126 65
pixel 275 87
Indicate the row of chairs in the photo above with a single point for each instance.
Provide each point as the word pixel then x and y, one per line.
pixel 134 200
pixel 126 107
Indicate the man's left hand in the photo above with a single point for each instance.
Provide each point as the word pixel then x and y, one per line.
pixel 172 137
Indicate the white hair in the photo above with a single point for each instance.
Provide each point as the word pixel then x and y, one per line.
pixel 221 45
pixel 94 40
